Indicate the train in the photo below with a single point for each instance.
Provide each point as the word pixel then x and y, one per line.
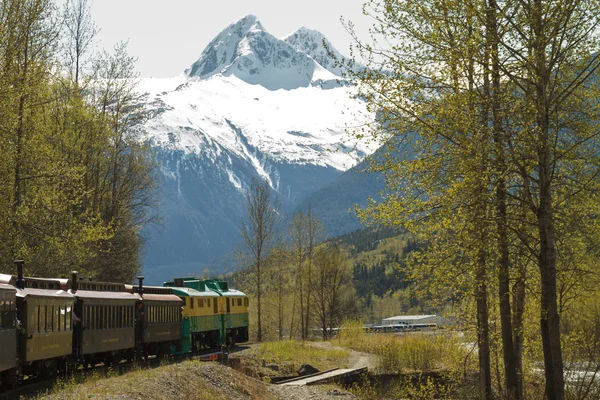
pixel 51 326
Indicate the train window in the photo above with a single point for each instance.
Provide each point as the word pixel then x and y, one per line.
pixel 201 302
pixel 98 313
pixel 57 319
pixel 62 319
pixel 239 301
pixel 207 302
pixel 51 321
pixel 68 318
pixel 36 319
pixel 42 319
pixel 228 305
pixel 192 302
pixel 93 316
pixel 215 310
pixel 246 302
pixel 4 315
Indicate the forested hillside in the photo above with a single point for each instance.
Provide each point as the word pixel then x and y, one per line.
pixel 76 186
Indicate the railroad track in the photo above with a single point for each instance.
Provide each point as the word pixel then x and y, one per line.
pixel 36 386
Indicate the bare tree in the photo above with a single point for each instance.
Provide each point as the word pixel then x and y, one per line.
pixel 259 233
pixel 314 234
pixel 80 33
pixel 332 287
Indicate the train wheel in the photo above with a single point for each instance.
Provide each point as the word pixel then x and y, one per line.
pixel 48 369
pixel 162 351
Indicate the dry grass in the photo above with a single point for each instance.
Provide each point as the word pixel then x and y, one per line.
pixel 187 380
pixel 411 352
pixel 287 356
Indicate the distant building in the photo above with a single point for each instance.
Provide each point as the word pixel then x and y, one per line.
pixel 413 321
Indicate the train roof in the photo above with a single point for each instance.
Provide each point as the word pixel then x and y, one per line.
pixel 100 286
pixel 7 279
pixel 37 283
pixel 229 293
pixel 7 288
pixel 161 297
pixel 149 289
pixel 94 294
pixel 44 293
pixel 189 292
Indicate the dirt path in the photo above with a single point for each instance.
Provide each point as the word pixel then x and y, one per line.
pixel 357 359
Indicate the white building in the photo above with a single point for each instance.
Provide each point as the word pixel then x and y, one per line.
pixel 413 320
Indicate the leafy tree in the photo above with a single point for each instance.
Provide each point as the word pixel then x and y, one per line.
pixel 259 234
pixel 493 104
pixel 332 287
pixel 78 183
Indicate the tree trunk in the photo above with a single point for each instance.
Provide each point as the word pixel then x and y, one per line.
pixel 483 341
pixel 549 318
pixel 510 369
pixel 518 311
pixel 258 302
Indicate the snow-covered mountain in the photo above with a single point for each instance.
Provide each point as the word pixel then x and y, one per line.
pixel 316 45
pixel 246 50
pixel 251 105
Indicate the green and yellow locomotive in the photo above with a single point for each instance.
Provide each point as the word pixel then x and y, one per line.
pixel 213 315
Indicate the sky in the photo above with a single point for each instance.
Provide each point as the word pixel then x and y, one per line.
pixel 167 36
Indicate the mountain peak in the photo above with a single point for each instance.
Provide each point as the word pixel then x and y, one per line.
pixel 316 45
pixel 247 23
pixel 246 50
pixel 222 50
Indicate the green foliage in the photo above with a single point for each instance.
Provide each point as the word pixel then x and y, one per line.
pixel 77 185
pixel 301 352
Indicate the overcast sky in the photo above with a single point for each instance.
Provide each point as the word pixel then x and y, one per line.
pixel 169 35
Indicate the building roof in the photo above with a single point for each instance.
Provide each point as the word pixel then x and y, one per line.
pixel 409 317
